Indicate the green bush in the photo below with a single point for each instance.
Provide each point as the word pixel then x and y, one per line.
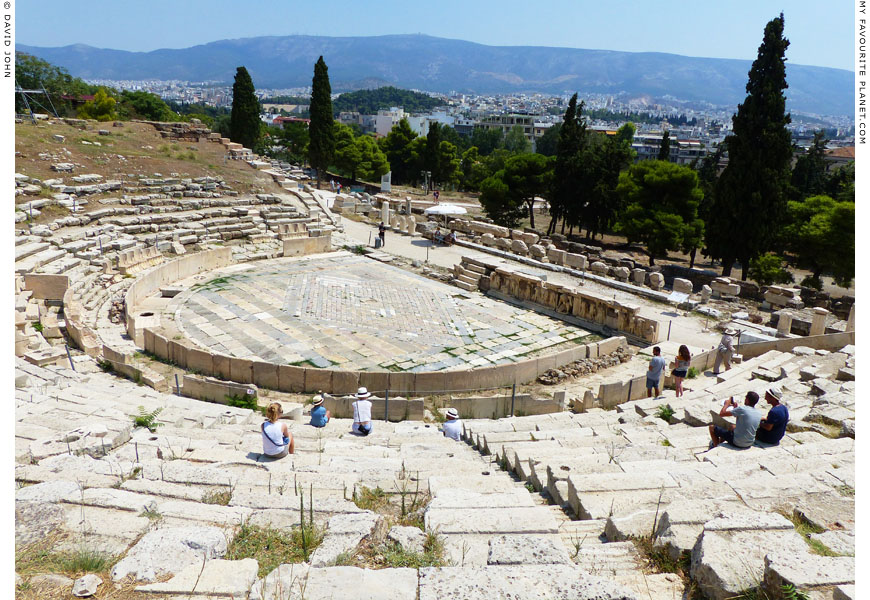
pixel 246 401
pixel 693 372
pixel 665 412
pixel 768 270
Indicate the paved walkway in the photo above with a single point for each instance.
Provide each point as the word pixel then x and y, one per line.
pixel 684 329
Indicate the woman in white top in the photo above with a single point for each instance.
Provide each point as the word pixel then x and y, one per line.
pixel 277 440
pixel 362 412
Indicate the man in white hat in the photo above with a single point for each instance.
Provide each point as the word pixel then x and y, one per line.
pixel 772 428
pixel 725 350
pixel 362 412
pixel 452 427
pixel 319 415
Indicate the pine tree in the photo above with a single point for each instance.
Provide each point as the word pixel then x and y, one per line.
pixel 321 145
pixel 750 199
pixel 665 148
pixel 245 116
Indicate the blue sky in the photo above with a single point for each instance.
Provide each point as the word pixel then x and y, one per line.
pixel 821 33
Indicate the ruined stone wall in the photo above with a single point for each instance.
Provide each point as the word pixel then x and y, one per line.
pixel 584 305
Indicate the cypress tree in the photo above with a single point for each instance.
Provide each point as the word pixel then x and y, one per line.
pixel 321 145
pixel 665 148
pixel 565 193
pixel 750 200
pixel 245 116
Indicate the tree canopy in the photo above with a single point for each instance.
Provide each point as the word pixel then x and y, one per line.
pixel 661 206
pixel 101 108
pixel 369 102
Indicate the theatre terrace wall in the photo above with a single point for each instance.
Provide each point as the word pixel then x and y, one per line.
pixel 291 378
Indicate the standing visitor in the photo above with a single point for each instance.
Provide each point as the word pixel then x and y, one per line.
pixel 681 368
pixel 654 373
pixel 725 350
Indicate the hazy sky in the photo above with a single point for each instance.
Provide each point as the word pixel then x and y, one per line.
pixel 821 33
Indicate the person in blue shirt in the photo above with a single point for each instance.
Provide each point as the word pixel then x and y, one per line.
pixel 655 372
pixel 772 428
pixel 319 414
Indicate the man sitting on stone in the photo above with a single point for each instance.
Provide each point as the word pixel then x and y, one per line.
pixel 452 427
pixel 654 374
pixel 362 413
pixel 772 428
pixel 748 417
pixel 319 415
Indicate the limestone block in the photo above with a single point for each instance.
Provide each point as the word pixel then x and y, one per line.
pixel 49 491
pixel 575 261
pixel 656 281
pixel 724 286
pixel 556 256
pixel 706 292
pixel 599 268
pixel 536 251
pixel 169 551
pixel 348 583
pixel 806 571
pixel 530 238
pixel 523 520
pixel 817 327
pixel 409 538
pixel 682 286
pixel 487 239
pixel 638 276
pixel 215 578
pixel 526 550
pixel 562 582
pixel 519 247
pixel 503 244
pixel 344 532
pixel 621 273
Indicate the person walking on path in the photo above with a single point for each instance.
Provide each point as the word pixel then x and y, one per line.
pixel 742 434
pixel 382 232
pixel 452 427
pixel 772 427
pixel 362 413
pixel 656 365
pixel 319 415
pixel 681 368
pixel 277 440
pixel 725 350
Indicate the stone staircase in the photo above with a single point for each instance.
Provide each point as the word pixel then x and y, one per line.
pixel 87 475
pixel 628 474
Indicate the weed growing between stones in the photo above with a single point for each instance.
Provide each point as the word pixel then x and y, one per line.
pixel 693 373
pixel 148 420
pixel 219 498
pixel 273 547
pixel 846 490
pixel 665 412
pixel 806 528
pixel 39 557
pixel 375 500
pixel 667 442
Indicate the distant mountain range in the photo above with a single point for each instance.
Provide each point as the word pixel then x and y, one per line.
pixel 441 65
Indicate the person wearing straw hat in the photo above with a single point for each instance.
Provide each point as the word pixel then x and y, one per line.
pixel 319 414
pixel 362 412
pixel 772 427
pixel 452 427
pixel 725 350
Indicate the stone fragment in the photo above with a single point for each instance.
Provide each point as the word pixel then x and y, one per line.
pixel 86 586
pixel 36 520
pixel 343 533
pixel 656 281
pixel 706 292
pixel 806 571
pixel 682 286
pixel 48 582
pixel 575 261
pixel 169 551
pixel 519 247
pixel 536 251
pixel 411 539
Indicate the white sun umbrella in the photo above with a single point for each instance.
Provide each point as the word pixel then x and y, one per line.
pixel 445 209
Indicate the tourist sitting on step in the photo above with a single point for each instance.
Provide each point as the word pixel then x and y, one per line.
pixel 277 440
pixel 772 428
pixel 748 417
pixel 319 415
pixel 452 427
pixel 362 412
